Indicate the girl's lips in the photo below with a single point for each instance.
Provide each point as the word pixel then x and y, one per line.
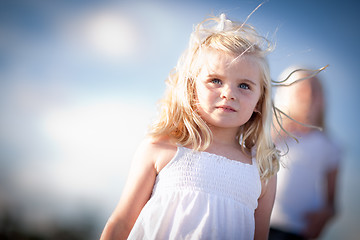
pixel 226 108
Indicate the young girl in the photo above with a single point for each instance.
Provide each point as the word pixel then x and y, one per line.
pixel 208 168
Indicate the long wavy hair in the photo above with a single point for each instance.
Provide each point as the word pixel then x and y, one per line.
pixel 178 116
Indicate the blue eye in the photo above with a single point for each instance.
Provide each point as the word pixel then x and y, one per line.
pixel 216 81
pixel 244 86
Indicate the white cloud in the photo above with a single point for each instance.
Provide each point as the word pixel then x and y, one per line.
pixel 95 143
pixel 106 33
pixel 88 151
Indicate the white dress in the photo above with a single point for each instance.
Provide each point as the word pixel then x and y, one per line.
pixel 200 195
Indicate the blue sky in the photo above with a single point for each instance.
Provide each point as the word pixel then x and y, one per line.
pixel 79 83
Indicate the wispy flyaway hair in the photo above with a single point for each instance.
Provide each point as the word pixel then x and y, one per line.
pixel 288 111
pixel 178 115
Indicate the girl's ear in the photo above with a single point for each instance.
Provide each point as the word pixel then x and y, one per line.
pixel 257 111
pixel 259 104
pixel 258 107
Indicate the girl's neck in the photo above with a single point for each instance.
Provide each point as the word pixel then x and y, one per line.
pixel 225 136
pixel 225 143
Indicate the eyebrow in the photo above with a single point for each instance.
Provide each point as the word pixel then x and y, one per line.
pixel 248 81
pixel 214 75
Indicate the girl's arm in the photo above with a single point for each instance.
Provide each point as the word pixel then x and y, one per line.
pixel 136 193
pixel 263 211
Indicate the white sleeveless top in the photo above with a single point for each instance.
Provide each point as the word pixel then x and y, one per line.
pixel 200 195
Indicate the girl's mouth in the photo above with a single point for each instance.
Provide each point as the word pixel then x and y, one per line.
pixel 226 108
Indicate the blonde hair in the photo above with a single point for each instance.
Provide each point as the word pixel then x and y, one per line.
pixel 178 116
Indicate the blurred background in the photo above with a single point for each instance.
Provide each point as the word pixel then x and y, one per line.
pixel 80 82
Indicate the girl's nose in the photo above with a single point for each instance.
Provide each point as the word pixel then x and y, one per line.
pixel 227 93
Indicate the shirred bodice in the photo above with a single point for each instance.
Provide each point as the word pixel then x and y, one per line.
pixel 200 195
pixel 210 173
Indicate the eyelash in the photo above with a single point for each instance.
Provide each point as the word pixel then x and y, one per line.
pixel 216 81
pixel 241 85
pixel 244 84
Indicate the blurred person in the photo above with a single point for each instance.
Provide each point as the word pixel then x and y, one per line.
pixel 306 188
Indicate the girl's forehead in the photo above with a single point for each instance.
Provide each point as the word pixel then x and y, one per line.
pixel 216 61
pixel 215 58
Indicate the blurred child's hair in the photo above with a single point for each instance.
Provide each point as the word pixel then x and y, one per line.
pixel 178 116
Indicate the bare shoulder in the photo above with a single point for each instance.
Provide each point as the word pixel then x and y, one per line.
pixel 158 150
pixel 269 187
